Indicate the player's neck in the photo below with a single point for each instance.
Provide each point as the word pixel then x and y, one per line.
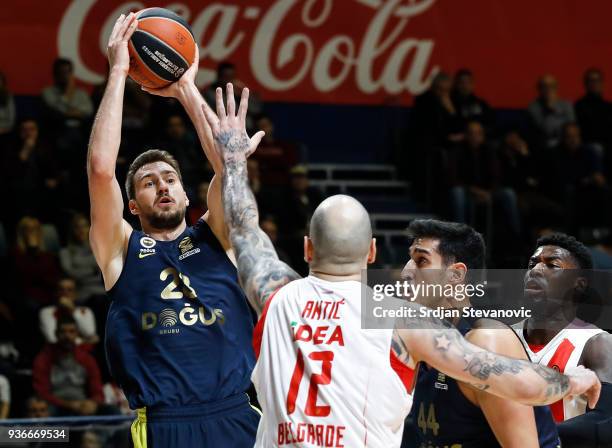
pixel 542 331
pixel 335 278
pixel 164 234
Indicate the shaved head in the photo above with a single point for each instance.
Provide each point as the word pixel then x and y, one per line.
pixel 341 235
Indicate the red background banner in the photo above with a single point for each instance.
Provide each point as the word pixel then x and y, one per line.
pixel 334 51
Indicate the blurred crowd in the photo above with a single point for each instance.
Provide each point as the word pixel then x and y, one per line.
pixel 53 305
pixel 548 169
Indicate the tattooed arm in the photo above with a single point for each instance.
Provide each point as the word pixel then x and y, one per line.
pixel 259 269
pixel 440 345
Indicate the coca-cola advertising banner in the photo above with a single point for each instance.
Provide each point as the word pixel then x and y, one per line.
pixel 332 51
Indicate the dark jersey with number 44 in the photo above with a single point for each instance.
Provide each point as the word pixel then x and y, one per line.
pixel 179 328
pixel 442 417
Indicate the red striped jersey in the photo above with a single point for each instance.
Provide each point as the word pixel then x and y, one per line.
pixel 562 352
pixel 321 379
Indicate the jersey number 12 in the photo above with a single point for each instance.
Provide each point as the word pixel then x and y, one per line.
pixel 323 378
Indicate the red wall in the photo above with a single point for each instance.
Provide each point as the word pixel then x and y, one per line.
pixel 340 54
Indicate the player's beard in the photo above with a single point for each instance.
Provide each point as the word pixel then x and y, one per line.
pixel 167 220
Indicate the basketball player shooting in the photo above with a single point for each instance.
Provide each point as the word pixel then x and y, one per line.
pixel 309 329
pixel 179 329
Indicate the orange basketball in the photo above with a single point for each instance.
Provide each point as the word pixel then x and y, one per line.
pixel 161 48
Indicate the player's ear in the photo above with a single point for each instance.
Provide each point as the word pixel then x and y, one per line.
pixel 581 285
pixel 133 206
pixel 307 249
pixel 456 273
pixel 372 252
pixel 186 198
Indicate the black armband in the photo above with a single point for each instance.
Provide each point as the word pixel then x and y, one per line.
pixel 592 429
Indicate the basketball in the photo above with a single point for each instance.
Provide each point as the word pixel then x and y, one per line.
pixel 161 48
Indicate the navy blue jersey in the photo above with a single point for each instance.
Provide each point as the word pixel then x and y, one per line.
pixel 442 417
pixel 179 329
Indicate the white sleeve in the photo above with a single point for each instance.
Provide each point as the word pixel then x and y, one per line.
pixel 48 323
pixel 5 390
pixel 86 321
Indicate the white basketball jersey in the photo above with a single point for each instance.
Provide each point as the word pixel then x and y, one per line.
pixel 321 380
pixel 563 352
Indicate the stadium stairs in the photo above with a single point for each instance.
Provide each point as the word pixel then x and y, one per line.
pixel 386 198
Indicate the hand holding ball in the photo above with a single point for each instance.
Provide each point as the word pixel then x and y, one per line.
pixel 161 49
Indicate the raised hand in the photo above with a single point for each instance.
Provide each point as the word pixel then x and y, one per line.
pixel 118 55
pixel 229 128
pixel 179 89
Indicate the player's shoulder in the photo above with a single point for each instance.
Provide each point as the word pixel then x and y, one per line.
pixel 495 336
pixel 599 344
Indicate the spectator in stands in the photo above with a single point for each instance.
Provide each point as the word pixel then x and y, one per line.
pixel 69 109
pixel 275 157
pixel 181 142
pixel 37 407
pixel 9 355
pixel 199 205
pixel 469 106
pixel 548 113
pixel 521 171
pixel 575 178
pixel 36 270
pixel 7 108
pixel 269 226
pixel 435 125
pixel 226 72
pixel 66 306
pixel 474 173
pixel 602 252
pixel 34 179
pixel 90 439
pixel 77 260
pixel 436 121
pixel 5 397
pixel 268 198
pixel 67 376
pixel 298 204
pixel 593 112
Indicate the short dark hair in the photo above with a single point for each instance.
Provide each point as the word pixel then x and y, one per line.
pixel 591 70
pixel 65 319
pixel 579 252
pixel 463 72
pixel 224 66
pixel 61 61
pixel 150 156
pixel 458 242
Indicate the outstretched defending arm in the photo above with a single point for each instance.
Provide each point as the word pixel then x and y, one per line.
pixel 259 269
pixel 109 232
pixel 440 345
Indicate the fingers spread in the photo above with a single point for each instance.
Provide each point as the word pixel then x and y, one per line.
pixel 255 140
pixel 244 106
pixel 231 102
pixel 220 105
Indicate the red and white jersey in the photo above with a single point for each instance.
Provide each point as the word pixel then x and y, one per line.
pixel 322 380
pixel 562 352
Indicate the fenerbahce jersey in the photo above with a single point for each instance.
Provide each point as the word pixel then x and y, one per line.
pixel 322 380
pixel 179 328
pixel 562 352
pixel 442 416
